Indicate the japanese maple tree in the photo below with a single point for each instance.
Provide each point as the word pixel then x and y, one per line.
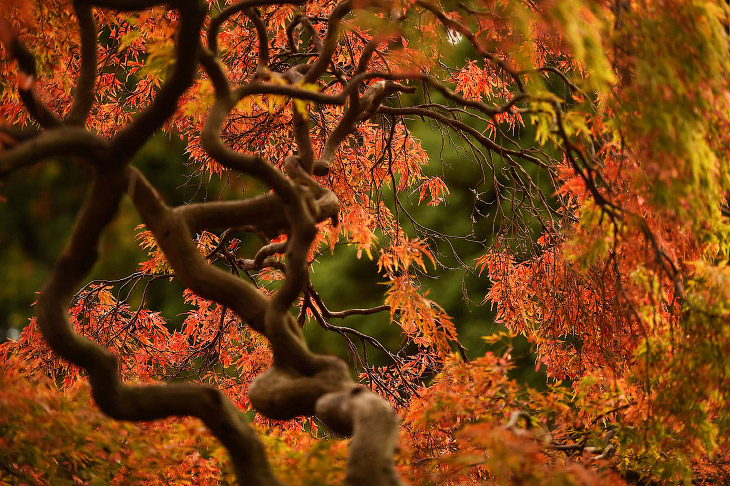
pixel 600 130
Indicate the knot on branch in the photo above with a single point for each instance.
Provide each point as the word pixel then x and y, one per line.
pixel 376 93
pixel 326 204
pixel 282 393
pixel 334 410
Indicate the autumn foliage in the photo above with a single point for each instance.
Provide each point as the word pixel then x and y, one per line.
pixel 599 130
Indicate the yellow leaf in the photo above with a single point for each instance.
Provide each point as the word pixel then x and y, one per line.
pixel 302 107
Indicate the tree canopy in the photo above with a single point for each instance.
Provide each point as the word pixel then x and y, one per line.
pixel 597 138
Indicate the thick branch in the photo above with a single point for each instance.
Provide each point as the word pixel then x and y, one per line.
pixel 265 212
pixel 263 39
pixel 173 237
pixel 374 427
pixel 302 233
pixel 269 250
pixel 215 72
pixel 304 22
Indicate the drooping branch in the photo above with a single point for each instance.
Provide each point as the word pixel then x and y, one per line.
pixel 320 312
pixel 465 128
pixel 296 382
pixel 469 35
pixel 489 110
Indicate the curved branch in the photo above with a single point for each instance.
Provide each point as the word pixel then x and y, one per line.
pixel 215 72
pixel 330 42
pixel 300 127
pixel 133 136
pixel 299 382
pixel 248 164
pixel 172 235
pixel 269 250
pixel 212 283
pixel 58 142
pixel 300 123
pixel 304 22
pixel 84 97
pixel 302 233
pixel 217 21
pixel 113 397
pixel 263 38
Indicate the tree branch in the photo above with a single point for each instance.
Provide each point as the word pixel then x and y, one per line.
pixel 330 42
pixel 58 142
pixel 26 86
pixel 113 397
pixel 132 137
pixel 84 97
pixel 228 12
